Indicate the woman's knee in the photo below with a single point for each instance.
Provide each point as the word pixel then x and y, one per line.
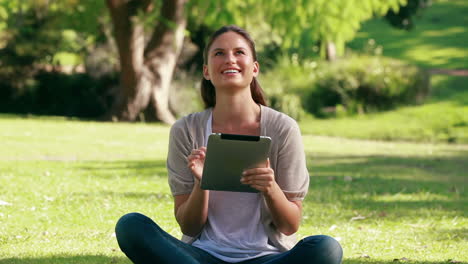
pixel 328 250
pixel 130 225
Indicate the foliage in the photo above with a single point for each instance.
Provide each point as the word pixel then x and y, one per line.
pixel 403 18
pixel 363 84
pixel 68 182
pixel 355 84
pixel 55 93
pixel 40 29
pixel 303 27
pixel 284 83
pixel 38 33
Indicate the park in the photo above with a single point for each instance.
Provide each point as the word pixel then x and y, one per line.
pixel 388 169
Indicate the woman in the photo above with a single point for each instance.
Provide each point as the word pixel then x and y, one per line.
pixel 232 227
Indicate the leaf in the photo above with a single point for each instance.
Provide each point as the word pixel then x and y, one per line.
pixel 5 203
pixel 356 218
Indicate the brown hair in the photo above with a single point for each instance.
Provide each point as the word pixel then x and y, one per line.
pixel 208 91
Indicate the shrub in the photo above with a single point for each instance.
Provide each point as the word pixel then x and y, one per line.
pixel 365 84
pixel 55 93
pixel 356 84
pixel 284 84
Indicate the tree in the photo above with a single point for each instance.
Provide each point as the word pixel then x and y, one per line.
pixel 299 26
pixel 403 18
pixel 147 60
pixel 146 68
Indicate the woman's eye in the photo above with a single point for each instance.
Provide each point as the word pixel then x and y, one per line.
pixel 240 52
pixel 218 53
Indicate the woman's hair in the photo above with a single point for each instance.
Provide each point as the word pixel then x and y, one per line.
pixel 208 92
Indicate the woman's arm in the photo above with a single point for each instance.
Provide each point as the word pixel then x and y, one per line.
pixel 191 210
pixel 286 214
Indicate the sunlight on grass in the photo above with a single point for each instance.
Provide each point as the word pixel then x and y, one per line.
pixel 438 39
pixel 385 200
pixel 425 196
pixel 444 32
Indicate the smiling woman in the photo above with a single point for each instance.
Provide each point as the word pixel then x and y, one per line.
pixel 245 50
pixel 232 227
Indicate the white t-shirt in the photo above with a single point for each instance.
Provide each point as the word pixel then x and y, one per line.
pixel 233 231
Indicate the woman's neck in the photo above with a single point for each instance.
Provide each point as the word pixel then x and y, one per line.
pixel 237 114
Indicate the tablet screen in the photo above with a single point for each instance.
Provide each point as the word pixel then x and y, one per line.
pixel 228 155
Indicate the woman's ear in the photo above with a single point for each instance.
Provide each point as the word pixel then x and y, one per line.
pixel 206 73
pixel 256 69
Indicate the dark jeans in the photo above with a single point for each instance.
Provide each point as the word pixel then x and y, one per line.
pixel 143 241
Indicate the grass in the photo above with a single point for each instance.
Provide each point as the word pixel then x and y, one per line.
pixel 443 118
pixel 67 182
pixel 438 39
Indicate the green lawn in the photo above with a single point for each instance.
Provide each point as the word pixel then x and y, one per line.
pixel 67 182
pixel 443 118
pixel 438 39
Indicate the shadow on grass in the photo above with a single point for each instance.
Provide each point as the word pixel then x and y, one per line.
pixel 140 168
pixel 89 259
pixel 451 89
pixel 130 195
pixel 424 169
pixel 82 259
pixel 391 187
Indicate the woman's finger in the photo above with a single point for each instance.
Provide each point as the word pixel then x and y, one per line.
pixel 256 171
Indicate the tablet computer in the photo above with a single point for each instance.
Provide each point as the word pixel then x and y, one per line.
pixel 228 155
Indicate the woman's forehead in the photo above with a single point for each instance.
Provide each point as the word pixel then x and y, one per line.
pixel 230 40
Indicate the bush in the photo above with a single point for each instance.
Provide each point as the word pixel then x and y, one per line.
pixel 366 84
pixel 356 84
pixel 55 93
pixel 284 84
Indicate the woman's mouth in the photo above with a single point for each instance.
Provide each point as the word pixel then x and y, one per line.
pixel 231 71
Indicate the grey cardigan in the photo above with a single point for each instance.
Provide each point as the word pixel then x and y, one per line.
pixel 287 159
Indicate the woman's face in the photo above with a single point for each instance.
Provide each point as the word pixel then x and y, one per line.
pixel 230 62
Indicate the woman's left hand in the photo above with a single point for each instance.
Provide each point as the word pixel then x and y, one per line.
pixel 261 179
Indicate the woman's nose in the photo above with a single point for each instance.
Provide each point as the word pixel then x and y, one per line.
pixel 230 58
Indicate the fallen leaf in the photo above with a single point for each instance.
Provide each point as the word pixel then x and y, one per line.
pixel 333 227
pixel 356 218
pixel 365 256
pixel 4 203
pixel 49 199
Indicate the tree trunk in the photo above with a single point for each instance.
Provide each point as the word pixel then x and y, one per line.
pixel 146 72
pixel 330 51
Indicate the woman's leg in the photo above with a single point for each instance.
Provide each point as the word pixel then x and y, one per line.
pixel 143 241
pixel 310 250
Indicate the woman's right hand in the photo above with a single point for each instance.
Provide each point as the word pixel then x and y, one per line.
pixel 196 159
